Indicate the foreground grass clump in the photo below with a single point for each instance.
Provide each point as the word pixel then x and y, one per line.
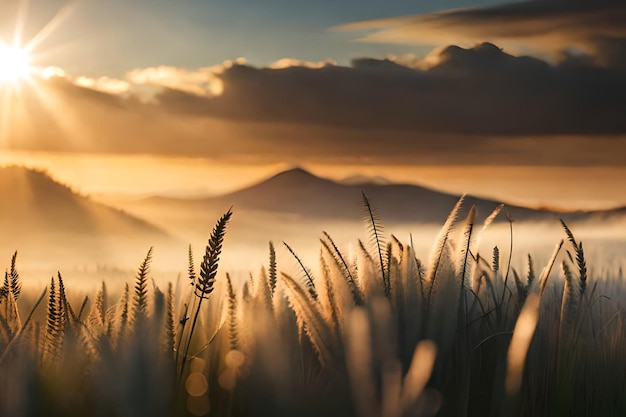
pixel 378 334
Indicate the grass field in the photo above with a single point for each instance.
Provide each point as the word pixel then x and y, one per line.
pixel 377 333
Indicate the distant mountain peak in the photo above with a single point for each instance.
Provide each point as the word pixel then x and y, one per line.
pixel 295 176
pixel 295 171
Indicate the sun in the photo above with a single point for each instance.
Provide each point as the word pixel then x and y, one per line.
pixel 15 64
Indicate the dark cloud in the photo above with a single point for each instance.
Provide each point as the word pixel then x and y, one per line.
pixel 597 27
pixel 457 106
pixel 477 91
pixel 611 52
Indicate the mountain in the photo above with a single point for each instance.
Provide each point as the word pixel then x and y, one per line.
pixel 40 215
pixel 295 207
pixel 365 180
pixel 300 193
pixel 34 204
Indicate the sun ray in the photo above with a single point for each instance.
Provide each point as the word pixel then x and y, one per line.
pixel 22 83
pixel 5 116
pixel 51 26
pixel 18 29
pixel 65 119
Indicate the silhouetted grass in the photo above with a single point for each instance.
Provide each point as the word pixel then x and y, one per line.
pixel 379 334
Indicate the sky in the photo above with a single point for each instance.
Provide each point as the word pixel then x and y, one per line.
pixel 519 101
pixel 111 38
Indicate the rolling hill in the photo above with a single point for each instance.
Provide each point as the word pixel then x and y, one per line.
pixel 51 222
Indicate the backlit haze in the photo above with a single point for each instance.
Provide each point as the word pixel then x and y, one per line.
pixel 125 100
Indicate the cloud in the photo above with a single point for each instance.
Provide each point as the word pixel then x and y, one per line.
pixel 478 105
pixel 292 62
pixel 104 84
pixel 477 91
pixel 200 82
pixel 109 85
pixel 203 82
pixel 596 27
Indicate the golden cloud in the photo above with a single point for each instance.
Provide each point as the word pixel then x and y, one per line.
pixel 596 27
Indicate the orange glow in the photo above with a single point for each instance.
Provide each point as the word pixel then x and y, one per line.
pixel 18 71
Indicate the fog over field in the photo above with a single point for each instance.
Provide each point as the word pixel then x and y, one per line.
pixel 54 228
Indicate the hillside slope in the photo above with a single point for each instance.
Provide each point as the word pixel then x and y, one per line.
pixel 47 220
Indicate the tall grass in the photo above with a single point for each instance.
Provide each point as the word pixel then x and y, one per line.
pixel 379 334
